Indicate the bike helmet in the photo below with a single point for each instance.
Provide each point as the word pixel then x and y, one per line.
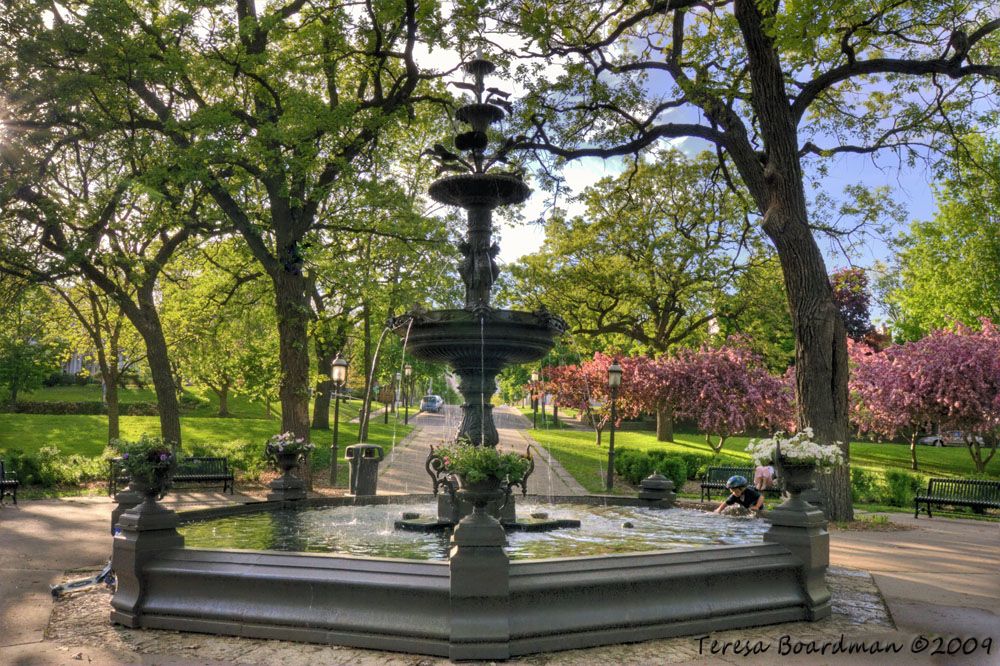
pixel 736 482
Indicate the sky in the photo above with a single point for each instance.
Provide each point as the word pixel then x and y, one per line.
pixel 910 186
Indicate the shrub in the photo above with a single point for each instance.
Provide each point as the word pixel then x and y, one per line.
pixel 864 485
pixel 86 407
pixel 901 487
pixel 634 466
pixel 243 457
pixel 50 467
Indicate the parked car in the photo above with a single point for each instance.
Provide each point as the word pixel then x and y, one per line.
pixel 431 403
pixel 946 438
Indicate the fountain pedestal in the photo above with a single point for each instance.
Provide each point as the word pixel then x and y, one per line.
pixel 479 585
pixel 801 527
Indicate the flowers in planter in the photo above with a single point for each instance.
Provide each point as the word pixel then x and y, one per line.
pixel 799 448
pixel 478 463
pixel 288 443
pixel 147 460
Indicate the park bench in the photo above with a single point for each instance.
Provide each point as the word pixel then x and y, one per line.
pixel 978 494
pixel 716 477
pixel 196 469
pixel 8 484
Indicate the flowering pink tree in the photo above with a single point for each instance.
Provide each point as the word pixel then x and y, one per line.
pixel 585 387
pixel 658 386
pixel 727 391
pixel 951 378
pixel 886 398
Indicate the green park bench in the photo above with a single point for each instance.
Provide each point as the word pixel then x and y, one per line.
pixel 8 484
pixel 195 469
pixel 978 494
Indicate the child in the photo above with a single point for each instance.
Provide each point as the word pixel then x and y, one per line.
pixel 745 496
pixel 763 476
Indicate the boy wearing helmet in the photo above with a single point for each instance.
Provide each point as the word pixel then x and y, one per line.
pixel 743 494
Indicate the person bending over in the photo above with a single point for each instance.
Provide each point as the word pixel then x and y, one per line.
pixel 743 494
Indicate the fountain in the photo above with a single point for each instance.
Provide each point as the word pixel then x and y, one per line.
pixel 477 341
pixel 474 601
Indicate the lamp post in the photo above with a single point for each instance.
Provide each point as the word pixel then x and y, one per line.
pixel 408 371
pixel 614 381
pixel 338 373
pixel 534 400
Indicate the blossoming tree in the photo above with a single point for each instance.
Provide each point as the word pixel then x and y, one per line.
pixel 727 391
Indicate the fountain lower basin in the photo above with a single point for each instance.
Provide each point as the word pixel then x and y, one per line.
pixel 457 608
pixel 370 531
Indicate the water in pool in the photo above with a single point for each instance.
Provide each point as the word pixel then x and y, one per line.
pixel 369 531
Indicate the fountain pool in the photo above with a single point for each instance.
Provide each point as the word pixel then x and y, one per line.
pixel 369 531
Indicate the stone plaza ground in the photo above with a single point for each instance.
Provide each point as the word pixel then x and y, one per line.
pixel 899 595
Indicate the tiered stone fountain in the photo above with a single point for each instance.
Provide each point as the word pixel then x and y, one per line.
pixel 478 341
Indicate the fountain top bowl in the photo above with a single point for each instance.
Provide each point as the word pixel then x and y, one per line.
pixel 480 190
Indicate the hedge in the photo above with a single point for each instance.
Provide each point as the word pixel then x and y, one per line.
pixel 891 487
pixel 85 407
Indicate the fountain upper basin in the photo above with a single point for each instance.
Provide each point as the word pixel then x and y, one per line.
pixel 463 338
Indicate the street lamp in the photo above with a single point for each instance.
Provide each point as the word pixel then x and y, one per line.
pixel 338 373
pixel 614 381
pixel 534 400
pixel 408 371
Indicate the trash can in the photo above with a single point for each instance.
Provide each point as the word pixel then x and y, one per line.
pixel 364 460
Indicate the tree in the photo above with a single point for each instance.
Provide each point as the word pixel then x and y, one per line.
pixel 673 227
pixel 28 351
pixel 267 109
pixel 727 391
pixel 92 210
pixel 889 395
pixel 757 313
pixel 585 387
pixel 95 323
pixel 773 87
pixel 215 307
pixel 949 266
pixel 850 293
pixel 950 378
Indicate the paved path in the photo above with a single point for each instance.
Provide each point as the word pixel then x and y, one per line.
pixel 403 471
pixel 939 578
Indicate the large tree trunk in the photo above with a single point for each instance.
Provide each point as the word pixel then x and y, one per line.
pixel 821 370
pixel 913 450
pixel 820 337
pixel 292 307
pixel 223 392
pixel 665 423
pixel 321 404
pixel 163 379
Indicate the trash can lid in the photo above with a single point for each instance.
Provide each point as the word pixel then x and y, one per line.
pixel 364 451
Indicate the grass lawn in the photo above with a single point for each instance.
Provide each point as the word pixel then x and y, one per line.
pixel 577 452
pixel 207 402
pixel 87 434
pixel 548 421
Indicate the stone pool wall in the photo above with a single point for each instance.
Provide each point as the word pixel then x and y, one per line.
pixel 476 606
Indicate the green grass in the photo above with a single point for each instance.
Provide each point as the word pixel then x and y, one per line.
pixel 87 435
pixel 207 402
pixel 547 422
pixel 577 452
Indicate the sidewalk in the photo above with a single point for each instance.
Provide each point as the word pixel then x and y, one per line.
pixel 403 470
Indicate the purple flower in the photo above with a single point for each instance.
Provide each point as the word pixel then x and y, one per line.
pixel 164 457
pixel 124 456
